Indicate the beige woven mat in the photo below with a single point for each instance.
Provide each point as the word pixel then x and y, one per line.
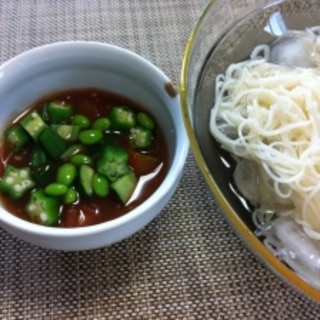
pixel 188 263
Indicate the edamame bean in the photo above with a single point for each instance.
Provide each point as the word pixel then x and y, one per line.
pixel 71 196
pixel 71 151
pixel 100 185
pixel 66 174
pixel 90 137
pixel 80 120
pixel 56 189
pixel 145 121
pixel 80 158
pixel 101 124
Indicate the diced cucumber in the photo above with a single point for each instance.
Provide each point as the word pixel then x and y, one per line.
pixel 54 145
pixel 85 180
pixel 125 186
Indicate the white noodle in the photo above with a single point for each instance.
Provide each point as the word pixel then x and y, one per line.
pixel 267 110
pixel 275 111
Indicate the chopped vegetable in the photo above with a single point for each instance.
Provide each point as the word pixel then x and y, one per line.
pixel 16 181
pixel 85 180
pixel 140 138
pixel 113 163
pixel 142 163
pixel 145 121
pixel 43 209
pixel 122 118
pixel 38 156
pixel 33 124
pixel 125 186
pixel 66 132
pixel 54 145
pixel 16 138
pixel 57 112
pixel 59 157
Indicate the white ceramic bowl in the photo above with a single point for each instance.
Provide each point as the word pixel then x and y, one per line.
pixel 66 65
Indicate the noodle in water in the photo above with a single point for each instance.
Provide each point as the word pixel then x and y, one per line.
pixel 267 111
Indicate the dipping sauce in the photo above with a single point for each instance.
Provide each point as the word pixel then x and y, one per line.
pixel 84 145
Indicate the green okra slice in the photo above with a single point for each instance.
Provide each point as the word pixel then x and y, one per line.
pixel 33 124
pixel 16 138
pixel 43 209
pixel 16 181
pixel 113 163
pixel 122 118
pixel 140 138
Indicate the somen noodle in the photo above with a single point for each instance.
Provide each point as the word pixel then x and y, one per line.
pixel 267 111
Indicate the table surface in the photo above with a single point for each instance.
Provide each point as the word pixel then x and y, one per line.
pixel 188 263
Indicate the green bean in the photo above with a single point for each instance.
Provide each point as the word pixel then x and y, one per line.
pixel 66 174
pixel 71 196
pixel 100 185
pixel 80 120
pixel 90 137
pixel 102 124
pixel 80 158
pixel 55 189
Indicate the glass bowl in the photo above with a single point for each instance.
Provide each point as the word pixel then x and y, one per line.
pixel 226 32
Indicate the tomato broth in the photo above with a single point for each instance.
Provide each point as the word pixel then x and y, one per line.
pixel 93 103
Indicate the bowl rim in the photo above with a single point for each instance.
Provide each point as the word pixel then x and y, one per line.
pixel 249 239
pixel 179 155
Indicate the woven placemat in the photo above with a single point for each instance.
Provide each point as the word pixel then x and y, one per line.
pixel 188 263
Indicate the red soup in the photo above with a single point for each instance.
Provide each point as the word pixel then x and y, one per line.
pixel 79 158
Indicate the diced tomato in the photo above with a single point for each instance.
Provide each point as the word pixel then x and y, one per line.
pixel 142 163
pixel 79 215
